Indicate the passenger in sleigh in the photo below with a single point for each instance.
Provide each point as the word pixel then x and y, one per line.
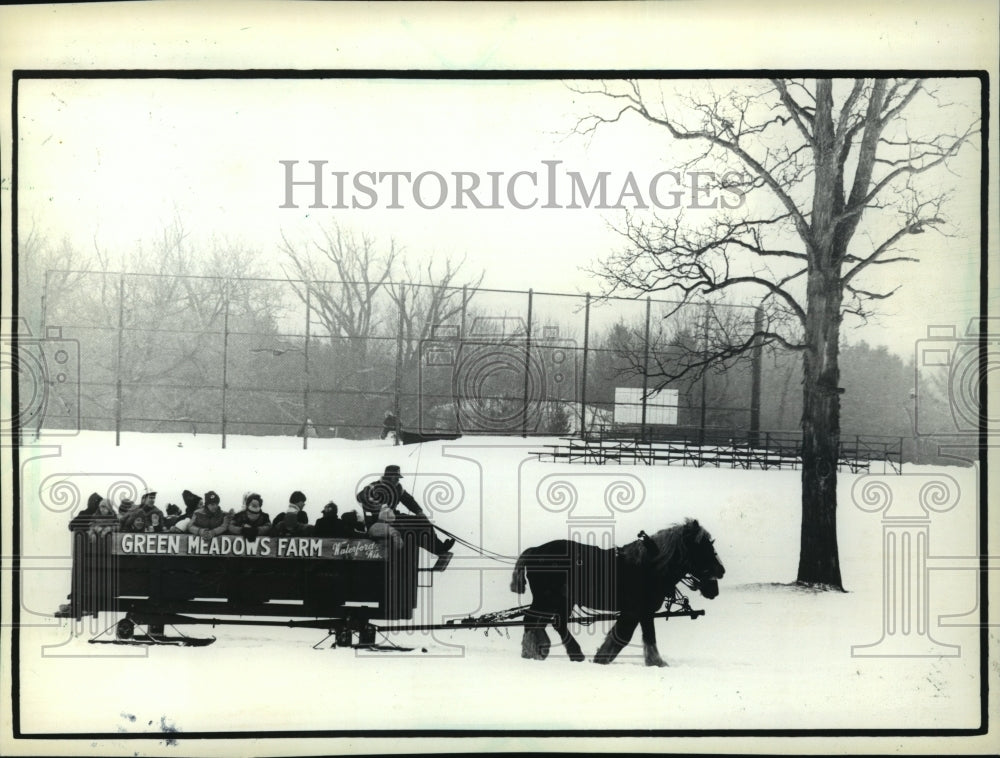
pixel 290 526
pixel 330 525
pixel 296 508
pixel 81 521
pixel 104 522
pixel 139 525
pixel 210 521
pixel 152 516
pixel 388 491
pixel 173 516
pixel 192 502
pixel 383 531
pixel 353 526
pixel 252 522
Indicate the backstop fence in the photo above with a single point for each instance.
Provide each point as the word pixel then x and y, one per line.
pixel 194 354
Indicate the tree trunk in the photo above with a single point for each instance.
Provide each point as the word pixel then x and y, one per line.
pixel 819 560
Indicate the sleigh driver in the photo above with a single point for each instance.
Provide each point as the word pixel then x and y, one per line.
pixel 388 491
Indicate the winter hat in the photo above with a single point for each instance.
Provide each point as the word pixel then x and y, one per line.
pixel 92 502
pixel 211 497
pixel 392 471
pixel 297 498
pixel 173 510
pixel 253 496
pixel 126 505
pixel 191 500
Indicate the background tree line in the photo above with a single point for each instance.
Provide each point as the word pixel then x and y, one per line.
pixel 192 319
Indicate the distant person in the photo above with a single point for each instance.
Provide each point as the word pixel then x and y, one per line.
pixel 252 522
pixel 388 491
pixel 209 521
pixel 390 425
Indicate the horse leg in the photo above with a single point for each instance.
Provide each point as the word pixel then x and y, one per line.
pixel 617 638
pixel 572 646
pixel 535 642
pixel 651 654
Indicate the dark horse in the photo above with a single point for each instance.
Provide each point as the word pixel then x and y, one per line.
pixel 633 580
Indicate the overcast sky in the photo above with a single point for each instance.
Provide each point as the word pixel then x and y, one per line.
pixel 118 160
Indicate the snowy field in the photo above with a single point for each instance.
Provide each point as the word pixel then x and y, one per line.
pixel 765 655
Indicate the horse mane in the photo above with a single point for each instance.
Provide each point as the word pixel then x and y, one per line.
pixel 671 548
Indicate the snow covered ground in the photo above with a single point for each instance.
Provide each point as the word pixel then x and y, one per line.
pixel 765 656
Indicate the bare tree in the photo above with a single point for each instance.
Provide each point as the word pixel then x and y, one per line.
pixel 817 157
pixel 361 290
pixel 431 296
pixel 153 321
pixel 341 276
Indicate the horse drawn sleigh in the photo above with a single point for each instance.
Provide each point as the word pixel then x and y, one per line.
pixel 357 588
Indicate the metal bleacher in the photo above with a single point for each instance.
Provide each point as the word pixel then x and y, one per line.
pixel 761 450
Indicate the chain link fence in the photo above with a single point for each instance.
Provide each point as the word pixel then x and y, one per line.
pixel 206 355
pixel 128 352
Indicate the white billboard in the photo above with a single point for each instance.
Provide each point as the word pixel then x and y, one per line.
pixel 661 406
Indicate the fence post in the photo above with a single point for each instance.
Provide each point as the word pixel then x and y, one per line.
pixel 645 371
pixel 399 363
pixel 527 367
pixel 118 360
pixel 225 361
pixel 756 357
pixel 704 373
pixel 45 302
pixel 465 303
pixel 305 389
pixel 583 380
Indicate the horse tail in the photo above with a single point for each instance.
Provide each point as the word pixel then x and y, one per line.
pixel 517 579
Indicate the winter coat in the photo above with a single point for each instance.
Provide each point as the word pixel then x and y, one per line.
pixel 83 519
pixel 191 502
pixel 147 512
pixel 243 525
pixel 332 526
pixel 284 527
pixel 382 531
pixel 303 518
pixel 103 524
pixel 353 527
pixel 380 493
pixel 215 523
